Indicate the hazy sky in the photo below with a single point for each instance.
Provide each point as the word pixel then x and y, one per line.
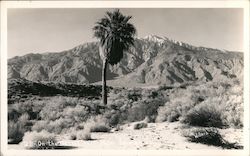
pixel 54 30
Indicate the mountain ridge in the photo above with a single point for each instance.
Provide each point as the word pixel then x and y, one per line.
pixel 153 60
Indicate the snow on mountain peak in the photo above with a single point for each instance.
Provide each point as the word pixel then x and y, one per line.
pixel 154 38
pixel 159 39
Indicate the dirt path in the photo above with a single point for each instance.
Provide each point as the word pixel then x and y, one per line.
pixel 155 136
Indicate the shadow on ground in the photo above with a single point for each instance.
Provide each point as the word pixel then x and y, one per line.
pixel 54 148
pixel 228 145
pixel 64 147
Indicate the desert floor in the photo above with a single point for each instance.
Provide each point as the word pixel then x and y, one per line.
pixel 157 136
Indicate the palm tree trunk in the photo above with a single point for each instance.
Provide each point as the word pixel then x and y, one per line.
pixel 104 86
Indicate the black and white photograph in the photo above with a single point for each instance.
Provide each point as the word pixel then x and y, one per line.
pixel 123 78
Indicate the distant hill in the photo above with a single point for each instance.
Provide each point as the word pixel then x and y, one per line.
pixel 153 60
pixel 21 88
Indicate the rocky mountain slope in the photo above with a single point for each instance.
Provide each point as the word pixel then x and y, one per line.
pixel 153 60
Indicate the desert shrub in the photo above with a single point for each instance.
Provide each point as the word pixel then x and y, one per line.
pixel 17 128
pixel 118 93
pixel 113 118
pixel 133 105
pixel 40 125
pixel 145 108
pixel 175 108
pixel 72 137
pixel 54 108
pixel 140 125
pixel 23 107
pixel 61 113
pixel 118 128
pixel 57 126
pixel 84 135
pixel 152 93
pixel 233 111
pixel 97 124
pixel 233 120
pixel 116 103
pixel 219 111
pixel 39 140
pixel 13 114
pixel 125 99
pixel 76 134
pixel 15 132
pixel 166 113
pixel 137 112
pixel 71 133
pixel 209 136
pixel 32 107
pixel 206 114
pixel 224 96
pixel 207 90
pixel 134 95
pixel 77 114
pixel 24 118
pixel 79 126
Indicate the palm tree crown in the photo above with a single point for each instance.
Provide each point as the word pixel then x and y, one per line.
pixel 115 34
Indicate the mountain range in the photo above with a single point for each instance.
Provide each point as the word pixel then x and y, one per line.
pixel 153 60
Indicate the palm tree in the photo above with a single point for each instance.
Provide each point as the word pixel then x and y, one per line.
pixel 115 35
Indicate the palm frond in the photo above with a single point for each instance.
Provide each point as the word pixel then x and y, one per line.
pixel 115 34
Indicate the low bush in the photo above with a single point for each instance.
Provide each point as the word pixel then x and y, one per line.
pixel 77 114
pixel 145 108
pixel 140 125
pixel 17 128
pixel 113 118
pixel 118 128
pixel 209 136
pixel 58 126
pixel 205 114
pixel 24 118
pixel 40 125
pixel 84 135
pixel 32 107
pixel 15 132
pixel 54 108
pixel 13 114
pixel 72 137
pixel 175 108
pixel 233 111
pixel 39 140
pixel 97 124
pixel 134 95
pixel 165 113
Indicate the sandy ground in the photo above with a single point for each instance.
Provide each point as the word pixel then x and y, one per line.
pixel 155 136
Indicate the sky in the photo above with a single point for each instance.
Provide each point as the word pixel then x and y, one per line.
pixel 54 30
